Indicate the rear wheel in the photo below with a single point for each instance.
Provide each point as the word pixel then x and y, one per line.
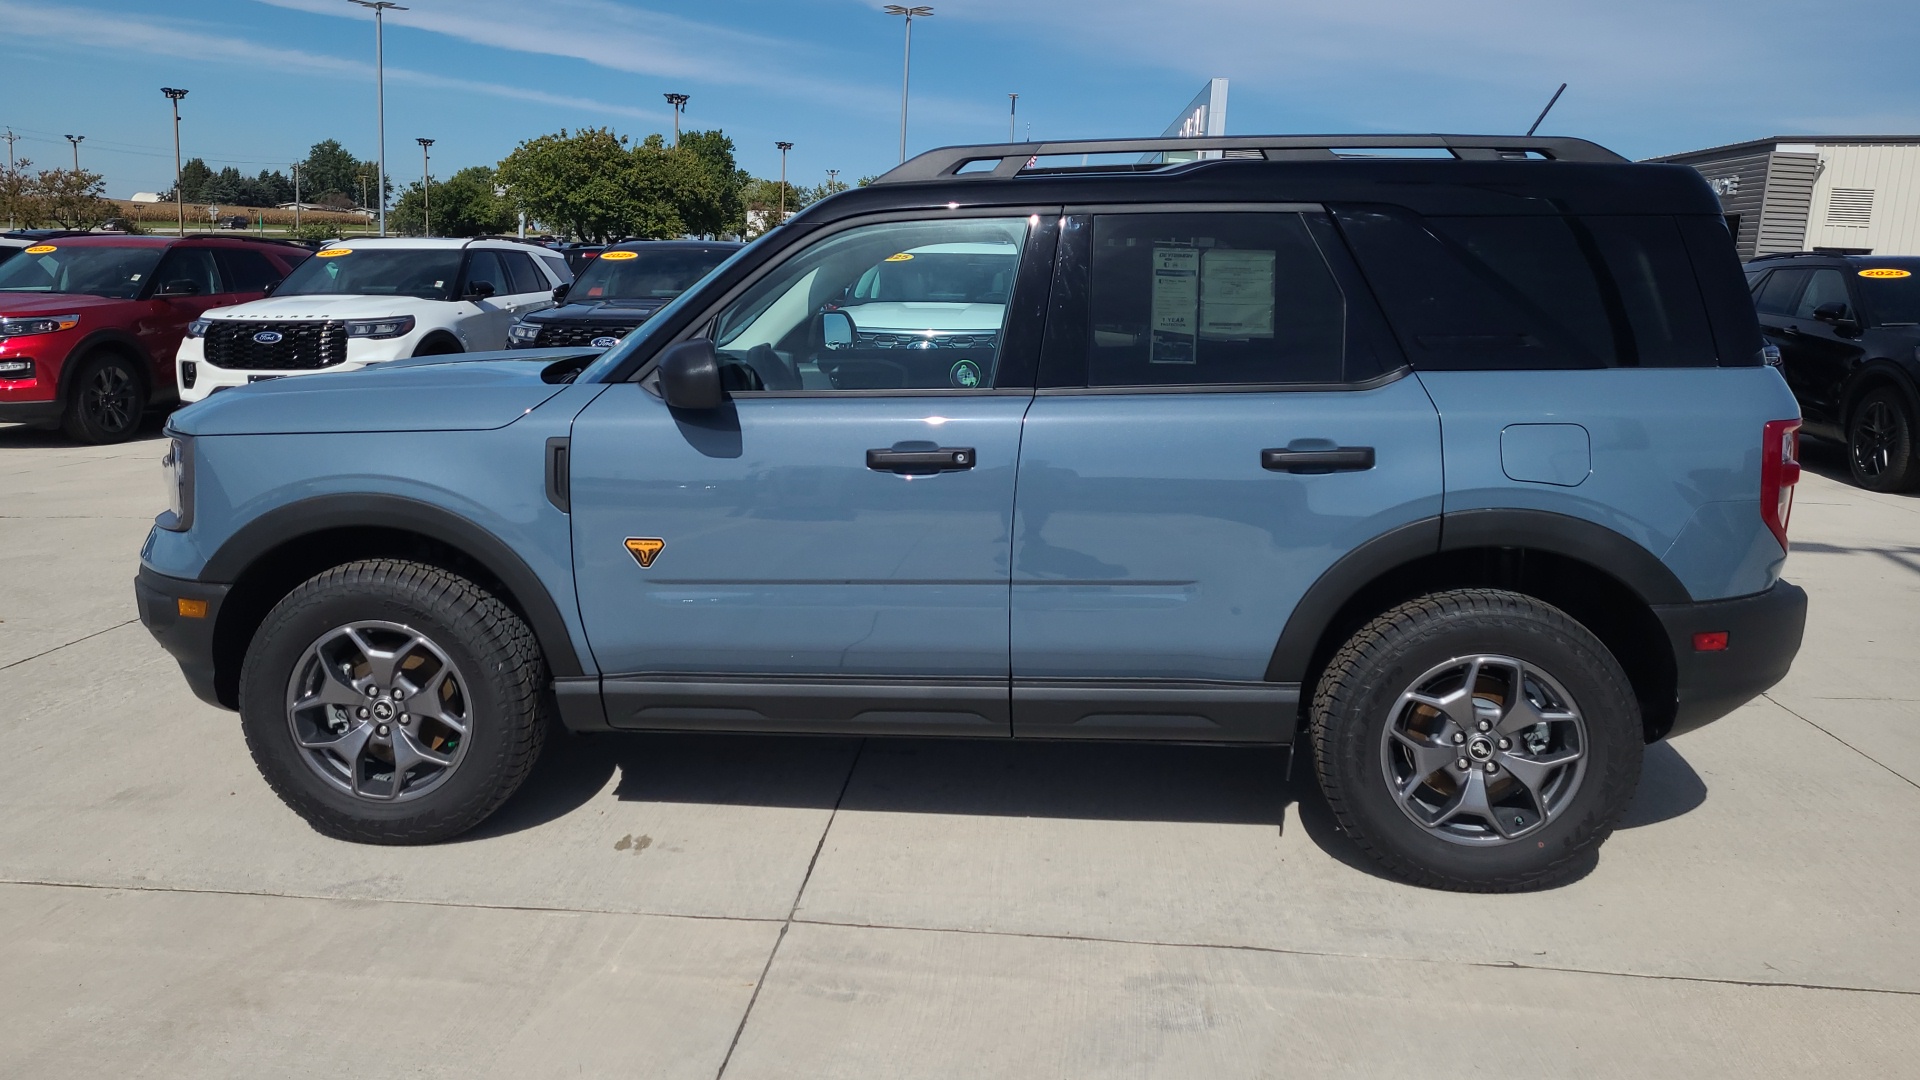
pixel 393 703
pixel 1880 439
pixel 1477 740
pixel 105 400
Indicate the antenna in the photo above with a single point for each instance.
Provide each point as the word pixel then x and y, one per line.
pixel 1548 109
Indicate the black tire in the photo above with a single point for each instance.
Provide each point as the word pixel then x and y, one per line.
pixel 106 399
pixel 1359 696
pixel 1880 439
pixel 438 345
pixel 503 679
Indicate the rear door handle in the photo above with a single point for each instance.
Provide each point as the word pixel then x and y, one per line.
pixel 919 462
pixel 1345 459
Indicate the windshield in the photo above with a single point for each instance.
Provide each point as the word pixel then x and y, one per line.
pixel 643 338
pixel 118 272
pixel 646 275
pixel 427 273
pixel 941 274
pixel 1887 298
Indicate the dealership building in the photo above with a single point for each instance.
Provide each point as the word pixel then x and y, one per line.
pixel 1844 194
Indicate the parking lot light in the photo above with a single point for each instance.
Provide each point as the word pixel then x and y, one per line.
pixel 426 180
pixel 179 199
pixel 906 67
pixel 679 103
pixel 380 8
pixel 783 147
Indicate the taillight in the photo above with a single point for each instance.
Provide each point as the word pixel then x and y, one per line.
pixel 1779 472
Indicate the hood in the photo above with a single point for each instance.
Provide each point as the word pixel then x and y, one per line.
pixel 468 392
pixel 882 316
pixel 323 306
pixel 39 303
pixel 611 310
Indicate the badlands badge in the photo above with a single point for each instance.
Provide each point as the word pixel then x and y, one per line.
pixel 645 549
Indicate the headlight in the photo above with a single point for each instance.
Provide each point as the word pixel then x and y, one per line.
pixel 398 326
pixel 21 326
pixel 524 331
pixel 198 327
pixel 177 467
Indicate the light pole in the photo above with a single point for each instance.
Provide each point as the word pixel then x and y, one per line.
pixel 10 137
pixel 380 8
pixel 179 198
pixel 784 147
pixel 833 179
pixel 76 140
pixel 921 11
pixel 679 103
pixel 426 181
pixel 363 196
pixel 296 195
pixel 1013 113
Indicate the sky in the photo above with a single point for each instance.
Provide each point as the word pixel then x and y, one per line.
pixel 268 78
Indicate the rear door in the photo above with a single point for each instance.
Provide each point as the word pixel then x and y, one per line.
pixel 485 327
pixel 1221 417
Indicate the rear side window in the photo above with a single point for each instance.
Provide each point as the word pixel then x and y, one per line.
pixel 526 277
pixel 246 271
pixel 559 267
pixel 1535 292
pixel 1777 295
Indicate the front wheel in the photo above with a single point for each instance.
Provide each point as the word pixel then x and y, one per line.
pixel 390 702
pixel 1880 442
pixel 1477 740
pixel 105 400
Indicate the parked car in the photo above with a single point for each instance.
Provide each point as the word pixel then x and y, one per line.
pixel 89 324
pixel 619 290
pixel 11 245
pixel 1848 331
pixel 363 302
pixel 578 256
pixel 1197 489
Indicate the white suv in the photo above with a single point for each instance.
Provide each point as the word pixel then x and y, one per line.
pixel 361 302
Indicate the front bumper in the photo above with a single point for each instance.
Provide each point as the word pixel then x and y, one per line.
pixel 190 640
pixel 206 378
pixel 1763 635
pixel 29 412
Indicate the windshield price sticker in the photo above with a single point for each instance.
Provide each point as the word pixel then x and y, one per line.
pixel 902 257
pixel 616 256
pixel 41 249
pixel 332 253
pixel 1880 272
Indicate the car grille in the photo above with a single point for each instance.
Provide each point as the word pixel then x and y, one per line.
pixel 923 340
pixel 302 346
pixel 559 334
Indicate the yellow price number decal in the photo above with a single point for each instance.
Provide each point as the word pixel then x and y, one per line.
pixel 332 253
pixel 1886 272
pixel 617 256
pixel 41 249
pixel 902 257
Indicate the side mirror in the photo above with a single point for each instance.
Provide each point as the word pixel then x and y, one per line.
pixel 1835 313
pixel 560 292
pixel 271 285
pixel 837 330
pixel 690 376
pixel 479 290
pixel 179 287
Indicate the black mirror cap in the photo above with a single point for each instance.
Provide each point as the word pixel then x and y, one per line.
pixel 480 290
pixel 690 376
pixel 271 286
pixel 180 288
pixel 1835 312
pixel 560 292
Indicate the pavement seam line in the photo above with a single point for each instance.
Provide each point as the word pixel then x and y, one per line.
pixel 1502 965
pixel 1790 712
pixel 818 846
pixel 75 641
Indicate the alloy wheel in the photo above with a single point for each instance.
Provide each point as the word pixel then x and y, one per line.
pixel 1874 433
pixel 110 399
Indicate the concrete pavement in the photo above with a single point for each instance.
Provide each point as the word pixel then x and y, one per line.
pixel 777 907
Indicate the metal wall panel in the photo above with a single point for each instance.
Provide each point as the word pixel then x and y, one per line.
pixel 1787 202
pixel 1891 171
pixel 1741 183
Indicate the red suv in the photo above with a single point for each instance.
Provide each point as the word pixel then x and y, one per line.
pixel 89 324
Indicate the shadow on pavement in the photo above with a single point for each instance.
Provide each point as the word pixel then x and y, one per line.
pixel 28 437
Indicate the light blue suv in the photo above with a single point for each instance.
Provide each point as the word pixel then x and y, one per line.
pixel 1467 472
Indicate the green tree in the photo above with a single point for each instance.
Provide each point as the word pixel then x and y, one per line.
pixel 19 201
pixel 727 212
pixel 194 178
pixel 462 205
pixel 331 170
pixel 581 184
pixel 73 198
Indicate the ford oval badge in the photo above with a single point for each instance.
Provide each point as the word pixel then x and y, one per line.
pixel 268 337
pixel 604 342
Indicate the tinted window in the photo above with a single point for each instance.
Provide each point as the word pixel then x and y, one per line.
pixel 245 271
pixel 559 267
pixel 424 272
pixel 119 272
pixel 805 326
pixel 1660 320
pixel 189 270
pixel 485 266
pixel 1889 300
pixel 1779 291
pixel 526 277
pixel 1221 298
pixel 646 273
pixel 1823 287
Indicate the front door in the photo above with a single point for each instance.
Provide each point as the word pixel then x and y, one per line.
pixel 1213 431
pixel 830 550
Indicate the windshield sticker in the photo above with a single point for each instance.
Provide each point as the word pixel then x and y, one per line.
pixel 616 256
pixel 1881 272
pixel 41 249
pixel 331 253
pixel 1236 294
pixel 902 257
pixel 1176 303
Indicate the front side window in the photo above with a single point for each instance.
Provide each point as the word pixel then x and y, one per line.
pixel 427 273
pixel 189 272
pixel 1824 287
pixel 93 270
pixel 484 266
pixel 915 305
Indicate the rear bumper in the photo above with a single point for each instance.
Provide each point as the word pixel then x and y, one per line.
pixel 1763 635
pixel 190 640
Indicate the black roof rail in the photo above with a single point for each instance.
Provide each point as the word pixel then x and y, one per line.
pixel 1011 159
pixel 1782 255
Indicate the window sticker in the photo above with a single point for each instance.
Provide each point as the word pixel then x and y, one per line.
pixel 42 249
pixel 332 253
pixel 901 257
pixel 1176 304
pixel 1236 294
pixel 619 256
pixel 1880 272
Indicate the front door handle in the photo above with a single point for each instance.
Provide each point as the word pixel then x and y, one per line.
pixel 921 462
pixel 1344 459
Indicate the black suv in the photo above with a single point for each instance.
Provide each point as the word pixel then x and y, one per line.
pixel 1848 330
pixel 618 290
